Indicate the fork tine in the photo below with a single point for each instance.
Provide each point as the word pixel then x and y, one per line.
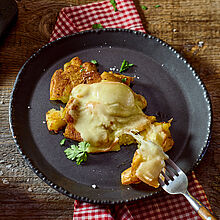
pixel 167 178
pixel 173 165
pixel 170 172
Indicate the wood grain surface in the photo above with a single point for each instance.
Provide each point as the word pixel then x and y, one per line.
pixel 192 27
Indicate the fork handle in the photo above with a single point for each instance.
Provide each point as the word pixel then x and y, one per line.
pixel 199 208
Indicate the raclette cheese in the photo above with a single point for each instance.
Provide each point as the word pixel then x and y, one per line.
pixel 102 112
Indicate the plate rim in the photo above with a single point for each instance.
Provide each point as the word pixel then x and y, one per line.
pixel 206 96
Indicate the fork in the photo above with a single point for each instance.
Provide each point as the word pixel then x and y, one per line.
pixel 174 181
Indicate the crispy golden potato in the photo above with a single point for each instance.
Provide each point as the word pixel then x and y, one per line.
pixel 128 176
pixel 115 77
pixel 159 133
pixel 70 131
pixel 55 120
pixel 60 87
pixel 74 62
pixel 74 73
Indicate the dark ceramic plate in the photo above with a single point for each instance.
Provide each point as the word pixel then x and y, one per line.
pixel 170 85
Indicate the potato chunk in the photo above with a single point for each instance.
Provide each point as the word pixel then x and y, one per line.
pixel 159 133
pixel 128 176
pixel 55 121
pixel 75 72
pixel 115 77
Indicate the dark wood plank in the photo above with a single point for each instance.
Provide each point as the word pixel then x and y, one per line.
pixel 181 23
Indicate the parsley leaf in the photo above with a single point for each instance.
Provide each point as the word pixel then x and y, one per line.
pixel 77 153
pixel 124 80
pixel 144 7
pixel 94 62
pixel 62 142
pixel 114 4
pixel 97 26
pixel 125 65
pixel 83 145
pixel 157 6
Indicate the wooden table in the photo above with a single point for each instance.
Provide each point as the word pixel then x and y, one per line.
pixel 184 24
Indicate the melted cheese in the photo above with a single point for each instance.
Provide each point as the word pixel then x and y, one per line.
pixel 106 110
pixel 152 163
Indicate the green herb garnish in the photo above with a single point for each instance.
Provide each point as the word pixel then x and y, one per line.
pixel 77 153
pixel 62 142
pixel 97 26
pixel 124 80
pixel 94 62
pixel 125 65
pixel 82 70
pixel 157 6
pixel 114 4
pixel 81 66
pixel 144 7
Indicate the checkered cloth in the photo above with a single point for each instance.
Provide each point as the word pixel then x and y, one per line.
pixel 163 206
pixel 80 18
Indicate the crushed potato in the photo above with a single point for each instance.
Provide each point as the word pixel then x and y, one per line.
pixel 55 119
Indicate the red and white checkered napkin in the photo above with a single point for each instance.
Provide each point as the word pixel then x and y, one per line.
pixel 80 18
pixel 163 206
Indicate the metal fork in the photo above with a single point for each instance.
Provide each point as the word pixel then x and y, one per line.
pixel 174 181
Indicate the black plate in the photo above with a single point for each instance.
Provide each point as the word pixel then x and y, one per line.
pixel 170 85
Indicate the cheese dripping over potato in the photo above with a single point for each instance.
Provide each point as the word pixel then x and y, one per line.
pixel 104 111
pixel 147 163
